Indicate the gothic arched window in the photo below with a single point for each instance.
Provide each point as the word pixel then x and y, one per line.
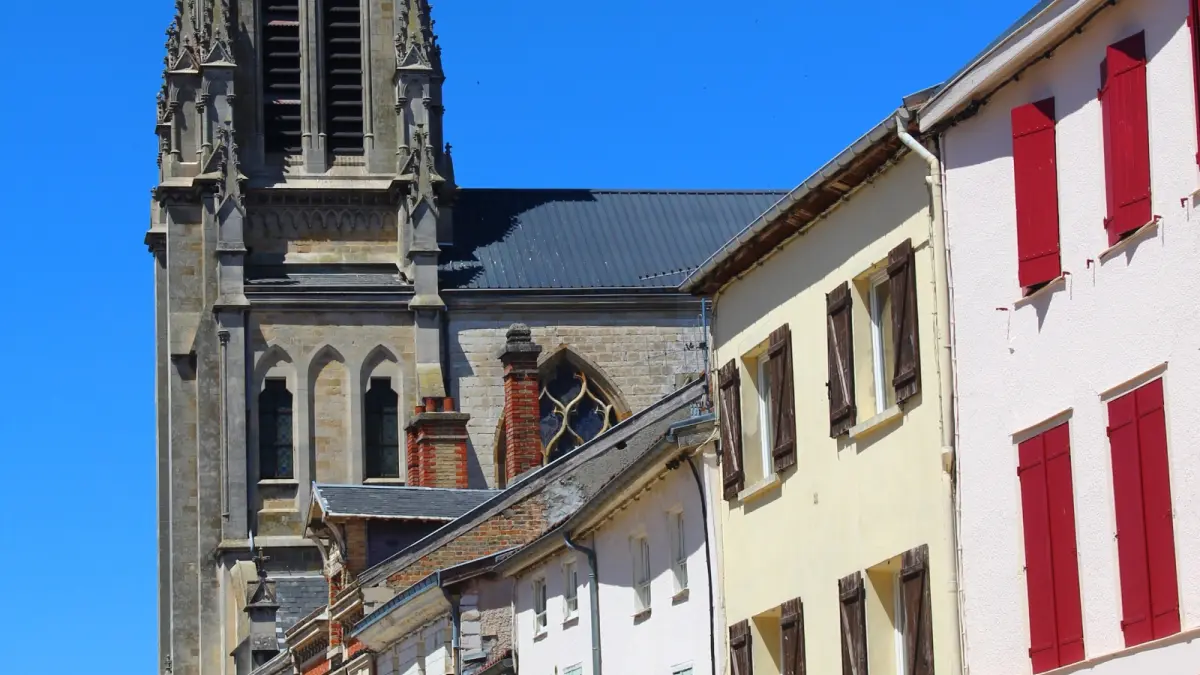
pixel 382 429
pixel 275 430
pixel 574 410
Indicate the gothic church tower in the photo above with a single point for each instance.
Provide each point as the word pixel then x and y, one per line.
pixel 333 309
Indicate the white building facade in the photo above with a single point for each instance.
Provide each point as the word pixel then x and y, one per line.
pixel 1070 202
pixel 653 586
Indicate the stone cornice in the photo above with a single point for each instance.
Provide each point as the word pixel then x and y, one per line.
pixel 570 300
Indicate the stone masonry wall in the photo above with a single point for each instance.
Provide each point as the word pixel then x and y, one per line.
pixel 322 235
pixel 330 423
pixel 642 354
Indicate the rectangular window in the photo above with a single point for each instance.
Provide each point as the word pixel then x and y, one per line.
pixel 883 362
pixel 1137 433
pixel 539 606
pixel 1126 136
pixel 641 574
pixel 1035 179
pixel 571 590
pixel 1051 562
pixel 281 76
pixel 275 448
pixel 678 552
pixel 343 76
pixel 765 431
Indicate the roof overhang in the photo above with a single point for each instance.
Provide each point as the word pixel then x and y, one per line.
pixel 805 205
pixel 1035 36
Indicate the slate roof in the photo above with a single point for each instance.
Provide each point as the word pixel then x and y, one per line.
pixel 398 502
pixel 298 596
pixel 586 239
pixel 568 482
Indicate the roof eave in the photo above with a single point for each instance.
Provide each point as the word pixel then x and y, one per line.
pixel 774 226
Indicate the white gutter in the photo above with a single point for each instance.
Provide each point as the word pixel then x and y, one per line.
pixel 945 371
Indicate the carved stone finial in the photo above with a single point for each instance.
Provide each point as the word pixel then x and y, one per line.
pixel 260 564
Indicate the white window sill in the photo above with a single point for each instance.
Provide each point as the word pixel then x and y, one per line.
pixel 540 635
pixel 1056 284
pixel 1087 664
pixel 570 621
pixel 758 489
pixel 1135 236
pixel 384 481
pixel 868 427
pixel 278 481
pixel 641 616
pixel 681 596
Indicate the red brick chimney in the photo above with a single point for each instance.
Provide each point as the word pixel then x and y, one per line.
pixel 436 445
pixel 522 424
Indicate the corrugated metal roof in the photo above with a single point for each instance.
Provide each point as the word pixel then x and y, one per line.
pixel 584 239
pixel 407 502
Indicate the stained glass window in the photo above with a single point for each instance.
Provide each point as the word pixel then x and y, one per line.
pixel 275 430
pixel 573 410
pixel 382 429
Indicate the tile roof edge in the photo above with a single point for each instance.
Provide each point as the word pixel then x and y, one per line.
pixel 529 481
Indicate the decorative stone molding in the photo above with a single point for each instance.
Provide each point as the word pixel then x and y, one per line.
pixel 291 222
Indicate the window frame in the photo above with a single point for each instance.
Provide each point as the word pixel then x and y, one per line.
pixel 881 380
pixel 766 431
pixel 898 625
pixel 677 527
pixel 374 449
pixel 642 579
pixel 570 570
pixel 541 597
pixel 274 447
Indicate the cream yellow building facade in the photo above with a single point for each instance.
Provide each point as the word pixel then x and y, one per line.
pixel 836 533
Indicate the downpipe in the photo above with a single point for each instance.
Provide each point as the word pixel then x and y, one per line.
pixel 945 370
pixel 593 597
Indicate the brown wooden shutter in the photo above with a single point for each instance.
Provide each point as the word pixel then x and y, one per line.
pixel 791 625
pixel 854 624
pixel 739 648
pixel 730 380
pixel 842 413
pixel 783 398
pixel 918 624
pixel 905 344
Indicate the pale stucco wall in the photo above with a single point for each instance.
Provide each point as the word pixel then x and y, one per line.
pixel 850 504
pixel 1111 321
pixel 676 632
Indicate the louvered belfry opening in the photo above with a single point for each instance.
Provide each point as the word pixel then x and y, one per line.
pixel 281 76
pixel 343 77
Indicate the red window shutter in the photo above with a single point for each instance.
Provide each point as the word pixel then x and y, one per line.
pixel 1193 20
pixel 1039 562
pixel 1160 527
pixel 1051 562
pixel 1035 175
pixel 1131 527
pixel 1061 501
pixel 1126 136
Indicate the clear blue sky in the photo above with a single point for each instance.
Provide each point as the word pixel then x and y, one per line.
pixel 541 93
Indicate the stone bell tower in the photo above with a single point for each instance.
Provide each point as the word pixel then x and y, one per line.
pixel 304 189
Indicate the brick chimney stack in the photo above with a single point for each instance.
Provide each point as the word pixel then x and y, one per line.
pixel 436 445
pixel 522 424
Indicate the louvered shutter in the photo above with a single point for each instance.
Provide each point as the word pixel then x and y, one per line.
pixel 1035 178
pixel 1145 531
pixel 1193 18
pixel 1126 136
pixel 740 642
pixel 842 412
pixel 854 624
pixel 783 413
pixel 729 382
pixel 905 343
pixel 791 627
pixel 918 623
pixel 1051 560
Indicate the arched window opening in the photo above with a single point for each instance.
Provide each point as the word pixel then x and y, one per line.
pixel 574 410
pixel 382 429
pixel 275 430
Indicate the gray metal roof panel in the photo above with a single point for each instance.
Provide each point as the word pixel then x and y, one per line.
pixel 387 501
pixel 580 239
